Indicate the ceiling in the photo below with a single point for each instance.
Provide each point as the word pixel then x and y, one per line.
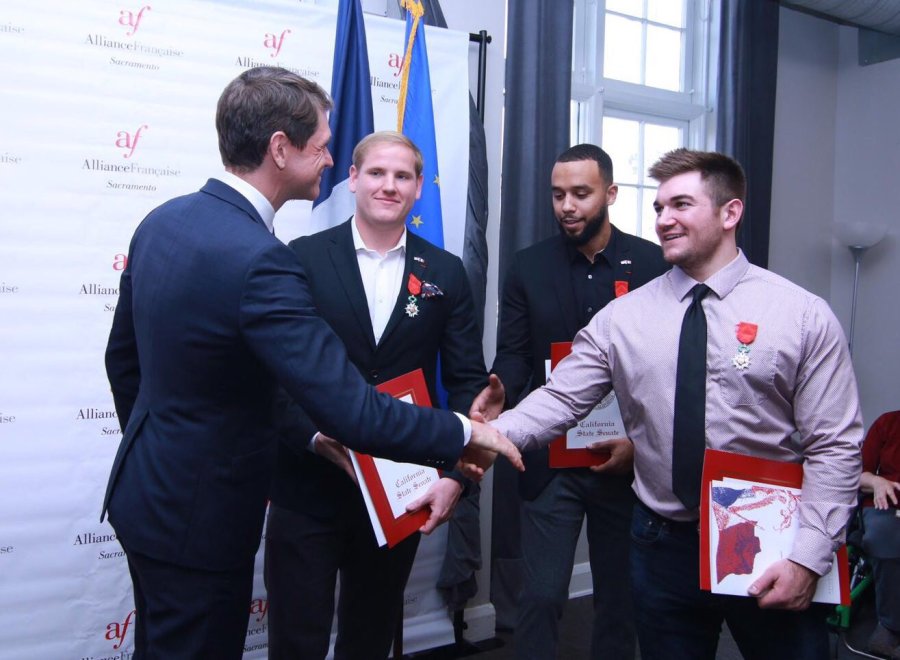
pixel 880 15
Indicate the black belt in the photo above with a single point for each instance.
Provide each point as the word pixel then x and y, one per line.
pixel 691 525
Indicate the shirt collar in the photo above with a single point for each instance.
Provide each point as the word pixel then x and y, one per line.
pixel 262 205
pixel 722 282
pixel 359 243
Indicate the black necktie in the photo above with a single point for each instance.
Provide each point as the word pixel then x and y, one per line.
pixel 689 436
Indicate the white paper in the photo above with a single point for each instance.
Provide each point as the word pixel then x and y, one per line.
pixel 756 524
pixel 367 498
pixel 604 422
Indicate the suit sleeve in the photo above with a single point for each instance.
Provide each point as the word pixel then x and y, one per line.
pixel 295 427
pixel 280 324
pixel 122 366
pixel 513 363
pixel 462 358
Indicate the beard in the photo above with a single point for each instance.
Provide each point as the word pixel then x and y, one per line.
pixel 592 227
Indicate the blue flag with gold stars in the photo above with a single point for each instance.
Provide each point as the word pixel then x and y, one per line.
pixel 415 119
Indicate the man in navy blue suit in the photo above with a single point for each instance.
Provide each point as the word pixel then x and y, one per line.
pixel 214 312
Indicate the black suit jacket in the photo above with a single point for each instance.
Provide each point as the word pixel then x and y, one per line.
pixel 538 308
pixel 213 311
pixel 444 325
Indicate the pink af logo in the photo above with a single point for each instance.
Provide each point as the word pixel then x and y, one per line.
pixel 131 19
pixel 259 607
pixel 128 141
pixel 116 631
pixel 274 43
pixel 395 61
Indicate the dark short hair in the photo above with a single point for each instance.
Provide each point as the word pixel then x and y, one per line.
pixel 590 152
pixel 361 150
pixel 262 101
pixel 724 177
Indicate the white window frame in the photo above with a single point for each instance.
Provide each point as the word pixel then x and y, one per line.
pixel 595 94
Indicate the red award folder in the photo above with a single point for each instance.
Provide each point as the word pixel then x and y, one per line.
pixel 561 455
pixel 739 528
pixel 388 486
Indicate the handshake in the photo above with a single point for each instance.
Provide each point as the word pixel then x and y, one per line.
pixel 486 442
pixel 477 456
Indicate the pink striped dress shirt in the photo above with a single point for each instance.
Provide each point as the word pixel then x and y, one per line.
pixel 795 401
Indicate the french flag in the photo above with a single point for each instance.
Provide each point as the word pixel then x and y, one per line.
pixel 351 118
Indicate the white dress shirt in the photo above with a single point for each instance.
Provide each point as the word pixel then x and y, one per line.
pixel 382 277
pixel 262 205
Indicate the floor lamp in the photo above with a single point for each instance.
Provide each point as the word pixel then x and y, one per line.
pixel 858 237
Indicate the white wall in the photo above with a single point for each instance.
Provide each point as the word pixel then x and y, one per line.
pixel 803 167
pixel 837 156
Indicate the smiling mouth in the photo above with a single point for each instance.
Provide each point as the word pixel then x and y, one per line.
pixel 671 237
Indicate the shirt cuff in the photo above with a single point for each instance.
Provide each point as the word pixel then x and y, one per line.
pixel 467 428
pixel 812 550
pixel 312 443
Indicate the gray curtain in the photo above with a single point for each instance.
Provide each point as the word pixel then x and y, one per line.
pixel 748 64
pixel 536 131
pixel 536 120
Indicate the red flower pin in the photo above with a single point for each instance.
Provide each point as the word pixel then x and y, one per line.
pixel 746 332
pixel 414 285
pixel 621 288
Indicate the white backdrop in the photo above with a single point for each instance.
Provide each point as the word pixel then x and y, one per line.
pixel 106 111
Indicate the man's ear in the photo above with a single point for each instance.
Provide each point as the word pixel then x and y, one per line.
pixel 354 175
pixel 611 193
pixel 731 213
pixel 277 150
pixel 419 183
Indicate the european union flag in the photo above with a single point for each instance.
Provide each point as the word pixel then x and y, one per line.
pixel 415 119
pixel 351 118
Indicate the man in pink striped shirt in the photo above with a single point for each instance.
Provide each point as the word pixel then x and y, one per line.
pixel 788 393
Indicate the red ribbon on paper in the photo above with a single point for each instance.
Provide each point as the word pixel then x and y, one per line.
pixel 746 332
pixel 414 285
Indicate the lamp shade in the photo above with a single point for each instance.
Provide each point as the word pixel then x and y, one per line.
pixel 859 234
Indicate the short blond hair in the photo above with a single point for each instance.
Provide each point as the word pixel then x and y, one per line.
pixel 386 137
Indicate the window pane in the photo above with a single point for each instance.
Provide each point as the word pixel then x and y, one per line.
pixel 659 139
pixel 664 56
pixel 670 12
pixel 630 7
pixel 624 213
pixel 622 49
pixel 621 140
pixel 648 215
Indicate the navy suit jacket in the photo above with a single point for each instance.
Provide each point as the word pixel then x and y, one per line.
pixel 444 324
pixel 213 312
pixel 538 308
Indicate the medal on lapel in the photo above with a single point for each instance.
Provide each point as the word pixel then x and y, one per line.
pixel 746 334
pixel 414 286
